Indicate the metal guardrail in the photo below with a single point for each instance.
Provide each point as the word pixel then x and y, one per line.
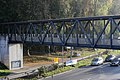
pixel 105 52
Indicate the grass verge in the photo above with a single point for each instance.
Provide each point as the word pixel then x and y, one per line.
pixel 4 73
pixel 59 70
pixel 81 63
pixel 67 68
pixel 114 52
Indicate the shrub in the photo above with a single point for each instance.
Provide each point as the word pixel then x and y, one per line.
pixel 55 66
pixel 42 70
pixel 2 66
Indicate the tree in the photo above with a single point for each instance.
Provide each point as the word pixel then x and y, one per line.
pixel 115 9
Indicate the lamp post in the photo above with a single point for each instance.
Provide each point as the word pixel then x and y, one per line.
pixel 95 5
pixel 62 54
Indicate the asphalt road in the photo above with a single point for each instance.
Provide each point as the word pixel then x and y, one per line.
pixel 102 72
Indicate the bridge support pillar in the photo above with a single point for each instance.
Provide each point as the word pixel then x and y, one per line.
pixel 11 55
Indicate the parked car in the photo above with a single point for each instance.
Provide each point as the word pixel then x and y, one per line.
pixel 109 58
pixel 97 61
pixel 115 62
pixel 76 54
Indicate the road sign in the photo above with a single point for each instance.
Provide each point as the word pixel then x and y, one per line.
pixel 55 60
pixel 71 62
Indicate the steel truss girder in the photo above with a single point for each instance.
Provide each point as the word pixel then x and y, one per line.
pixel 84 29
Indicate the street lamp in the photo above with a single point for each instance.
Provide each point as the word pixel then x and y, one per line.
pixel 95 5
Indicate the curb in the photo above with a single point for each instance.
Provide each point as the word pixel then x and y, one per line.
pixel 56 74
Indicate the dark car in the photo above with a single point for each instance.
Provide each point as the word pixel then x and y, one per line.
pixel 109 58
pixel 115 62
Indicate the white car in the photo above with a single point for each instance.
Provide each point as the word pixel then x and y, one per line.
pixel 97 61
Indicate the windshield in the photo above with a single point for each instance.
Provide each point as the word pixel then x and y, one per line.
pixel 115 60
pixel 95 59
pixel 110 56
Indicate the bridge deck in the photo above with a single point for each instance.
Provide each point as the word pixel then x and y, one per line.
pixel 72 41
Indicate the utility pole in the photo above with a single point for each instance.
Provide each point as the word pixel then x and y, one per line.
pixel 71 53
pixel 62 54
pixel 49 51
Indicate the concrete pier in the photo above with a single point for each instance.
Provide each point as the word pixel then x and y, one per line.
pixel 11 55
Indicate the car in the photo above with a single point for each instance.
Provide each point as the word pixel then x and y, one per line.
pixel 76 54
pixel 115 62
pixel 109 58
pixel 97 61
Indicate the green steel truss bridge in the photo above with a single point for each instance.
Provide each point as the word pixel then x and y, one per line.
pixel 91 32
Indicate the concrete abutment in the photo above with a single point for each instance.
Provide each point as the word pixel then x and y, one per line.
pixel 11 55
